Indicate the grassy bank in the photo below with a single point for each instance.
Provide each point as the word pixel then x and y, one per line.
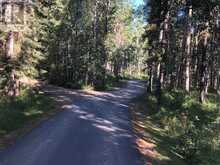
pixel 183 132
pixel 21 114
pixel 110 83
pixel 113 84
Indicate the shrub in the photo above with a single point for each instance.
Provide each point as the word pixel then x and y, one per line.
pixel 193 126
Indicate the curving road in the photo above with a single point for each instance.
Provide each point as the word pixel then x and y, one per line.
pixel 94 130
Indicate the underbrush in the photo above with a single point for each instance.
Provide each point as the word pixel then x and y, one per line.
pixel 19 112
pixel 110 83
pixel 134 76
pixel 183 130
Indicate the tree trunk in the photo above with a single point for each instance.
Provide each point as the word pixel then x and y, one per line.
pixel 151 78
pixel 12 88
pixel 218 82
pixel 188 49
pixel 218 76
pixel 204 69
pixel 10 45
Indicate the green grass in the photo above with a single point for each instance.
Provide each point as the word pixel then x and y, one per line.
pixel 128 76
pixel 184 131
pixel 113 84
pixel 23 110
pixel 110 83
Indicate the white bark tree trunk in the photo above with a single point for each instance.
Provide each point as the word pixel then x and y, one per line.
pixel 10 45
pixel 188 50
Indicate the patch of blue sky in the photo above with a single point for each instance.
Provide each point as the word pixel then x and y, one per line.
pixel 137 3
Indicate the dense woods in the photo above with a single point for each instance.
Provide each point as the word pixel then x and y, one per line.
pixel 173 45
pixel 182 65
pixel 74 43
pixel 187 33
pixel 71 43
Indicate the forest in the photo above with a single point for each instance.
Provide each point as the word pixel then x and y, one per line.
pixel 172 46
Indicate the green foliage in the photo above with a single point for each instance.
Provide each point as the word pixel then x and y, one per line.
pixel 176 35
pixel 124 46
pixel 70 43
pixel 112 83
pixel 191 123
pixel 17 113
pixel 190 129
pixel 83 43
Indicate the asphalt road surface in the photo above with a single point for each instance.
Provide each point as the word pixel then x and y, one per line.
pixel 95 129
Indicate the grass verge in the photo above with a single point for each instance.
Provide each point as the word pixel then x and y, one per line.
pixel 115 85
pixel 183 132
pixel 19 116
pixel 110 83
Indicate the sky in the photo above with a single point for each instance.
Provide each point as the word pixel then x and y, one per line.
pixel 137 2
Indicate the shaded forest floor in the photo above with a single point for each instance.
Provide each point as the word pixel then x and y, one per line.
pixel 183 132
pixel 22 114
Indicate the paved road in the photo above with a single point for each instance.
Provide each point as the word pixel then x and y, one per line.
pixel 94 130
